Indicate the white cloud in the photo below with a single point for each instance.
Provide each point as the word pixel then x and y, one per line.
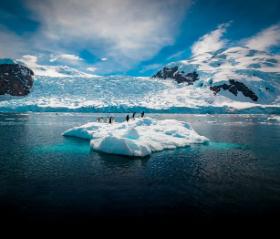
pixel 265 39
pixel 51 71
pixel 66 58
pixel 92 69
pixel 212 41
pixel 39 70
pixel 29 60
pixel 104 59
pixel 126 31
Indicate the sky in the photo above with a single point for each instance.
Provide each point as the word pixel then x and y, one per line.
pixel 131 37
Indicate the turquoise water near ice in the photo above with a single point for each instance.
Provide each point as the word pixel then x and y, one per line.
pixel 45 175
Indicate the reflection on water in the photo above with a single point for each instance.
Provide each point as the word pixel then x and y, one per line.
pixel 69 146
pixel 225 146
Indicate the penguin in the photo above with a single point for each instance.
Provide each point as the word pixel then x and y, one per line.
pixel 127 118
pixel 110 120
pixel 142 114
pixel 133 115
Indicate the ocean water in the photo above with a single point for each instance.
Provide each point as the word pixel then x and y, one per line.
pixel 45 176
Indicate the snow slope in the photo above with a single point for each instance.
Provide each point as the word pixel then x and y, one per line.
pixel 139 137
pixel 258 70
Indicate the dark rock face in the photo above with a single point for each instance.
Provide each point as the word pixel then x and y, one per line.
pixel 15 79
pixel 234 87
pixel 178 76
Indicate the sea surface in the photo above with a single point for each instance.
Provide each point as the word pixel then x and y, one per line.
pixel 47 177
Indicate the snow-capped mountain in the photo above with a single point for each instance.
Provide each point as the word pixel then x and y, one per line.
pixel 61 72
pixel 238 73
pixel 58 71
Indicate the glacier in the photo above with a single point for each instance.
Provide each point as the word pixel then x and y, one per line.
pixel 124 94
pixel 74 92
pixel 137 138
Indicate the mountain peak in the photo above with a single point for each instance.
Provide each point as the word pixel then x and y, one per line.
pixel 247 74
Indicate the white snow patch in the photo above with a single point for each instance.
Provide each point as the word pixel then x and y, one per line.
pixel 139 137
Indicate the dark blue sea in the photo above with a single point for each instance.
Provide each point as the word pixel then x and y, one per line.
pixel 45 177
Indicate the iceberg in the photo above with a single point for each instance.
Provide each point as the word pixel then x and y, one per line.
pixel 274 118
pixel 137 138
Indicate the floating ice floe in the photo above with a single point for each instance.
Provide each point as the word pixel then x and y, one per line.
pixel 274 118
pixel 139 137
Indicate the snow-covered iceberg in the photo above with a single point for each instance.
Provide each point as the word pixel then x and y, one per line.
pixel 139 137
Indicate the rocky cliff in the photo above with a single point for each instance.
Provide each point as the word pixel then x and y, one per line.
pixel 15 79
pixel 179 76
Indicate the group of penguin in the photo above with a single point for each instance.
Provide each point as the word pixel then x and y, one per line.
pixel 133 116
pixel 111 119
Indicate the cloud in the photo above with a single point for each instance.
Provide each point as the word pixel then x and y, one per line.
pixel 39 70
pixel 66 58
pixel 212 41
pixel 104 59
pixel 11 44
pixel 51 71
pixel 17 45
pixel 29 60
pixel 265 39
pixel 92 69
pixel 127 31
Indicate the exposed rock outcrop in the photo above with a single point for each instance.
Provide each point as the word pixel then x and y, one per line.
pixel 178 76
pixel 15 79
pixel 234 87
